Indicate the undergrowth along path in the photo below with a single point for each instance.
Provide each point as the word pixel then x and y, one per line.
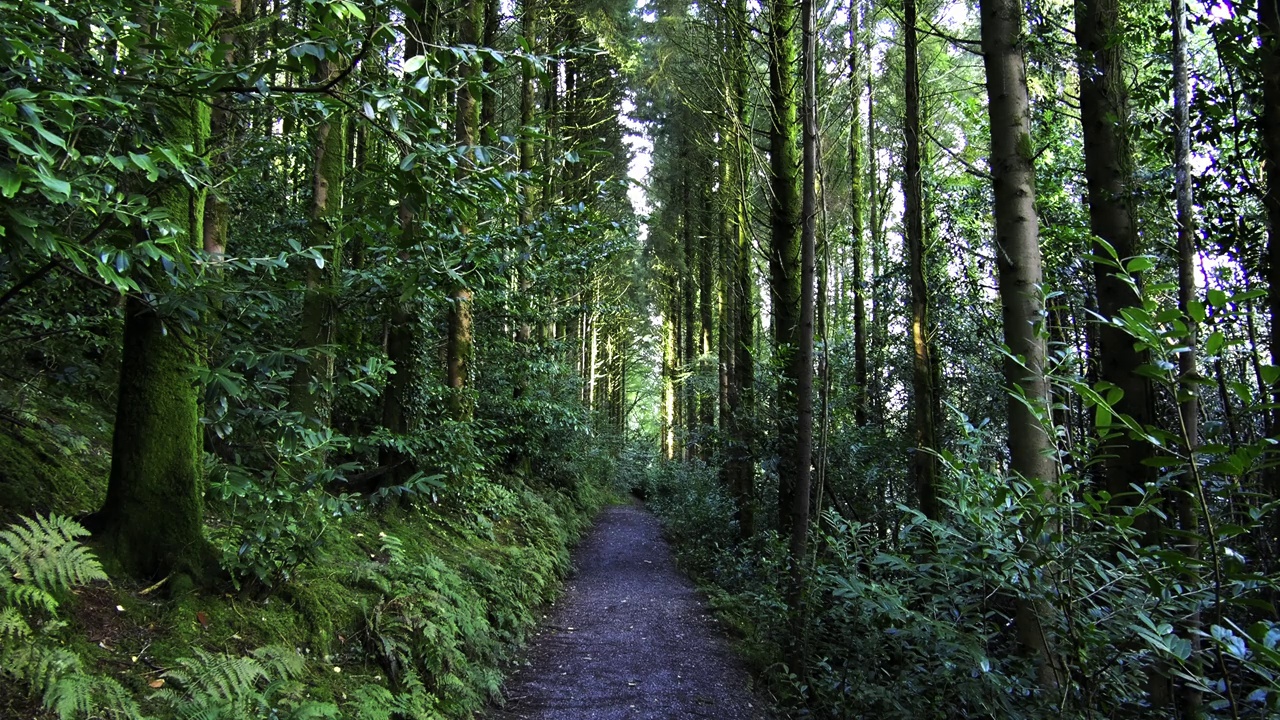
pixel 629 640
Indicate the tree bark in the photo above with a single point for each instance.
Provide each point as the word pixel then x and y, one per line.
pixel 1187 697
pixel 742 385
pixel 152 519
pixel 858 247
pixel 785 240
pixel 1104 109
pixel 924 395
pixel 310 391
pixel 1020 276
pixel 1269 54
pixel 459 343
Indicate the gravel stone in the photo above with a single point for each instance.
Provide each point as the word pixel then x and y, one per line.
pixel 630 639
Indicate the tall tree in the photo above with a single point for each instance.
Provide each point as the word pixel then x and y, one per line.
pixel 310 390
pixel 858 247
pixel 152 519
pixel 741 395
pixel 785 269
pixel 459 341
pixel 1188 697
pixel 924 394
pixel 1104 112
pixel 1031 449
pixel 1269 54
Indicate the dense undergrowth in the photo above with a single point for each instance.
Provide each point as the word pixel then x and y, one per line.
pixel 399 604
pixel 921 623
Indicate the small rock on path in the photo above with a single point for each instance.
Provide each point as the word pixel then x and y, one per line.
pixel 629 640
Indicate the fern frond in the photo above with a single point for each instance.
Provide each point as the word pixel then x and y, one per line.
pixel 31 598
pixel 70 696
pixel 13 626
pixel 280 661
pixel 220 678
pixel 44 552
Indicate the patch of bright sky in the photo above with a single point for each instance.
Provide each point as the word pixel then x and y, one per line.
pixel 638 142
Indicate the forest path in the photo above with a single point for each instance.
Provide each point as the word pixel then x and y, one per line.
pixel 630 639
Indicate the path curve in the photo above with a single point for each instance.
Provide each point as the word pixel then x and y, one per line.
pixel 629 640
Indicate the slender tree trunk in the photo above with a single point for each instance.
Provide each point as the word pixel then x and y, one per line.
pixel 1269 53
pixel 785 248
pixel 689 314
pixel 876 339
pixel 924 465
pixel 224 128
pixel 1188 698
pixel 742 394
pixel 488 131
pixel 310 392
pixel 1019 265
pixel 404 322
pixel 858 248
pixel 1104 106
pixel 459 345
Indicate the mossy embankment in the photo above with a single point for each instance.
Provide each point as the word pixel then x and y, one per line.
pixel 400 610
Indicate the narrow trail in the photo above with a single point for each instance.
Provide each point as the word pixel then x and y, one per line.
pixel 630 639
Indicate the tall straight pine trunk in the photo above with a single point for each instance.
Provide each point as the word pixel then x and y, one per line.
pixel 784 251
pixel 1018 261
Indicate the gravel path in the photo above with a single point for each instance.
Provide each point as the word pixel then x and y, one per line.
pixel 629 639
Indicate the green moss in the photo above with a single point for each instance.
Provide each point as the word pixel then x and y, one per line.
pixel 41 474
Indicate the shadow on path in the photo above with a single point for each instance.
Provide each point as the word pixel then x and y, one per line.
pixel 629 639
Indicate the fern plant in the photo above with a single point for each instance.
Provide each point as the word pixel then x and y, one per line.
pixel 41 560
pixel 263 685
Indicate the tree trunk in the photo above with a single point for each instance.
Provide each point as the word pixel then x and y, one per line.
pixel 1104 109
pixel 785 240
pixel 223 127
pixel 405 341
pixel 310 392
pixel 459 344
pixel 1188 698
pixel 1269 54
pixel 1019 265
pixel 857 249
pixel 152 519
pixel 742 392
pixel 924 399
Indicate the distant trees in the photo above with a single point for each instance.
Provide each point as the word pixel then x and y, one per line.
pixel 326 270
pixel 1089 387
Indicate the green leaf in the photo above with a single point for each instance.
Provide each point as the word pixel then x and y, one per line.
pixel 1270 373
pixel 1217 298
pixel 1214 343
pixel 10 183
pixel 145 163
pixel 61 189
pixel 1139 264
pixel 414 64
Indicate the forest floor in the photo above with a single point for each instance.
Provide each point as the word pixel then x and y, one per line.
pixel 630 639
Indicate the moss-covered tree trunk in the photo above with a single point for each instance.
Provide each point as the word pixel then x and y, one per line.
pixel 151 522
